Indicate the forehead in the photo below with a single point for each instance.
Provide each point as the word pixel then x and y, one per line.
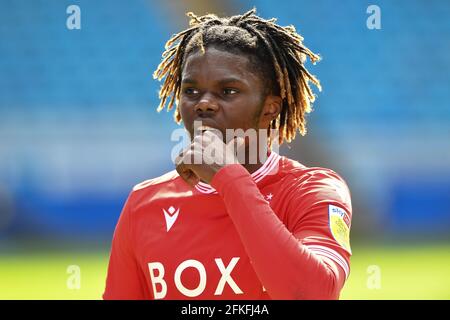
pixel 217 64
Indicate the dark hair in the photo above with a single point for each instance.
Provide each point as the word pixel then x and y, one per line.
pixel 276 52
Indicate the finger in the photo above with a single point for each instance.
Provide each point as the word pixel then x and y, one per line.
pixel 236 148
pixel 192 179
pixel 198 128
pixel 208 135
pixel 185 156
pixel 212 133
pixel 240 142
pixel 203 128
pixel 187 174
pixel 235 144
pixel 179 158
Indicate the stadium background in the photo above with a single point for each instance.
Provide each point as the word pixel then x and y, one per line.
pixel 78 128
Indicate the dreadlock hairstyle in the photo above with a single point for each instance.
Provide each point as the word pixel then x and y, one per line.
pixel 276 52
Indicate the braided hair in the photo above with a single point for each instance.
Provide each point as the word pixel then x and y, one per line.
pixel 276 52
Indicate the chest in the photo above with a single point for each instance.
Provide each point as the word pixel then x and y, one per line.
pixel 189 248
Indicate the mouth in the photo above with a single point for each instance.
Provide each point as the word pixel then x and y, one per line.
pixel 201 126
pixel 204 128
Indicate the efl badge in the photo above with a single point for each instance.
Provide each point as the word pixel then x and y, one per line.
pixel 340 226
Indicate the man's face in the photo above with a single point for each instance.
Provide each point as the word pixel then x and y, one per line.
pixel 219 89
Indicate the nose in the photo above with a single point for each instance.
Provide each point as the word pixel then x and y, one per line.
pixel 207 104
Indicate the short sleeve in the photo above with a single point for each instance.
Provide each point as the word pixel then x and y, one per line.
pixel 320 214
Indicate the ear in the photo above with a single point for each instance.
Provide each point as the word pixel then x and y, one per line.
pixel 270 111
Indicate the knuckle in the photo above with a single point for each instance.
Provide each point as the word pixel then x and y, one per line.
pixel 198 139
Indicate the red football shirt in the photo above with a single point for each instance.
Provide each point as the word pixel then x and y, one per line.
pixel 279 233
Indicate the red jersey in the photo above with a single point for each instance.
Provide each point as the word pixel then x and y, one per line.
pixel 281 232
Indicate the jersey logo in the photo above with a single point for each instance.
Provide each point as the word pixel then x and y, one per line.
pixel 340 226
pixel 170 216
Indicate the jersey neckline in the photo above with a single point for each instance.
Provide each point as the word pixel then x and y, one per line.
pixel 267 167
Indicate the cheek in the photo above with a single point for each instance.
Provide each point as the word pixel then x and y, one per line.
pixel 185 111
pixel 186 116
pixel 253 112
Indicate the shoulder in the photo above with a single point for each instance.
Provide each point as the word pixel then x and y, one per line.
pixel 165 178
pixel 150 189
pixel 294 170
pixel 316 182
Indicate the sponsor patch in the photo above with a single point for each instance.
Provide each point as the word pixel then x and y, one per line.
pixel 340 226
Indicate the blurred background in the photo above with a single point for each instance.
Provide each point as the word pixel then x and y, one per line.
pixel 79 128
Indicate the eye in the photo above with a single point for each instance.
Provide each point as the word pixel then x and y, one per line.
pixel 230 91
pixel 190 91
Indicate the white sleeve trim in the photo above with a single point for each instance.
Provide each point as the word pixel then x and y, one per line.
pixel 331 254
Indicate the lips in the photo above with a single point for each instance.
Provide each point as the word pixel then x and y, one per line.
pixel 205 124
pixel 202 129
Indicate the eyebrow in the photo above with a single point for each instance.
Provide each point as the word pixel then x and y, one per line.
pixel 221 81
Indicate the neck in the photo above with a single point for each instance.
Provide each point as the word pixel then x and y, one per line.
pixel 252 167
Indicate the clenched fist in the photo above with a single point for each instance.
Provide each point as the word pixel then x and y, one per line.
pixel 206 155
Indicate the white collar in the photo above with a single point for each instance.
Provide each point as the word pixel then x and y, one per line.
pixel 270 163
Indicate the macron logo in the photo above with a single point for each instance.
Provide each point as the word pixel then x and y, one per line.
pixel 170 217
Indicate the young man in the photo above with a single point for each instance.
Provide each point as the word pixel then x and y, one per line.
pixel 230 228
